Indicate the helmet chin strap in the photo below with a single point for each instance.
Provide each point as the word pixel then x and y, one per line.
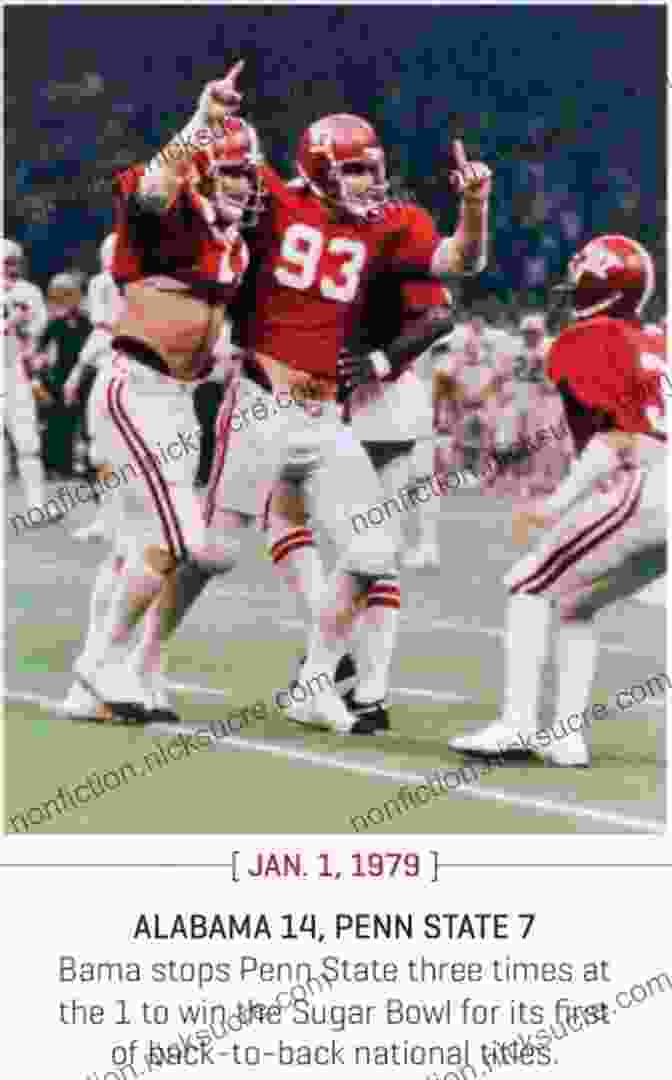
pixel 595 309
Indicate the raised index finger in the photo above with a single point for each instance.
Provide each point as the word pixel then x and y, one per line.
pixel 235 71
pixel 459 154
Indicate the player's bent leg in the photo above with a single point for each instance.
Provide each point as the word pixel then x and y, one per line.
pixel 527 623
pixel 365 576
pixel 294 553
pixel 217 555
pixel 587 540
pixel 298 561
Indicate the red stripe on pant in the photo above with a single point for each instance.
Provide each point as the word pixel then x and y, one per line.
pixel 589 538
pixel 148 467
pixel 291 542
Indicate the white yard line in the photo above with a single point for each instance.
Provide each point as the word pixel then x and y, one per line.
pixel 400 691
pixel 470 791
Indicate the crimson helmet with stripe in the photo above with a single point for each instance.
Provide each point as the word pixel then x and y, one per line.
pixel 329 144
pixel 235 145
pixel 611 275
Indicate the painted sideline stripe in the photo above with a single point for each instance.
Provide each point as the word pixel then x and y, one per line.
pixel 469 791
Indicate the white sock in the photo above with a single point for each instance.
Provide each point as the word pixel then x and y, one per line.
pixel 527 622
pixel 576 651
pixel 330 636
pixel 300 566
pixel 32 479
pixel 378 627
pixel 112 641
pixel 147 656
pixel 106 582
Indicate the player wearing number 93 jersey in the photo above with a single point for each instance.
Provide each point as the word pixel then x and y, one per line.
pixel 322 237
pixel 316 260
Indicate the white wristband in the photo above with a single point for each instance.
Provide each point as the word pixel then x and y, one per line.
pixel 381 365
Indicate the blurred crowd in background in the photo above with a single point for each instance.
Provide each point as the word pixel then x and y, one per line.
pixel 566 105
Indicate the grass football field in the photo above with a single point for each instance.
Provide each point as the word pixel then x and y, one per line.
pixel 239 645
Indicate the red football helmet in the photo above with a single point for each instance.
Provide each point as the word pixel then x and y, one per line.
pixel 611 274
pixel 234 149
pixel 332 143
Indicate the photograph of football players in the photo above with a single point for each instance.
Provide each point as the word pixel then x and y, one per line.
pixel 607 521
pixel 180 257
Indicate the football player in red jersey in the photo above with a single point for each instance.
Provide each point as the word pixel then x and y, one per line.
pixel 180 258
pixel 606 523
pixel 323 235
pixel 318 241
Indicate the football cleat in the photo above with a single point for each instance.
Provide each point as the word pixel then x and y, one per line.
pixel 570 752
pixel 323 710
pixel 81 704
pixel 162 711
pixel 344 676
pixel 104 684
pixel 498 738
pixel 371 716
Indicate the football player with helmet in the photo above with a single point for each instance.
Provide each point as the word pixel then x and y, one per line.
pixel 180 258
pixel 24 319
pixel 605 526
pixel 317 241
pixel 320 239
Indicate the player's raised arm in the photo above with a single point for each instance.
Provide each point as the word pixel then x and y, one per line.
pixel 174 164
pixel 466 251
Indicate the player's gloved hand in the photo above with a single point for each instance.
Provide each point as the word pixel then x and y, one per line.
pixel 353 371
pixel 471 179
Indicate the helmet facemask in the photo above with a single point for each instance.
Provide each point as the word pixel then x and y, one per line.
pixel 340 186
pixel 343 176
pixel 234 207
